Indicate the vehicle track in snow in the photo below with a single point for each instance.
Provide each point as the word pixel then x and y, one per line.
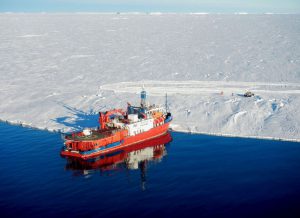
pixel 202 87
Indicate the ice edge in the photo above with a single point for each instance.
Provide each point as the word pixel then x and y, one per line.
pixel 171 128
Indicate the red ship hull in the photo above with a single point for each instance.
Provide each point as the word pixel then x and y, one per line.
pixel 130 140
pixel 110 159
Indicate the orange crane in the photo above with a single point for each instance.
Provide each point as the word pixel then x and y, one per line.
pixel 104 117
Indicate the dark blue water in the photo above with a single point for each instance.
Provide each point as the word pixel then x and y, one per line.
pixel 194 175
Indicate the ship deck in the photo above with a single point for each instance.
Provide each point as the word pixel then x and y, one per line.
pixel 96 134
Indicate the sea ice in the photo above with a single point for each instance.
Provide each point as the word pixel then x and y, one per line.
pixel 58 70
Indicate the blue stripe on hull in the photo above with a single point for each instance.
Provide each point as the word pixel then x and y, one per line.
pixel 102 148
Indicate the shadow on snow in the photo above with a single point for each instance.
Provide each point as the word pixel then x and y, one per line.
pixel 78 119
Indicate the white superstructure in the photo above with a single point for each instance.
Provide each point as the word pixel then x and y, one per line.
pixel 139 126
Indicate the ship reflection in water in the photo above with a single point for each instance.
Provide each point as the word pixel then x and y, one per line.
pixel 133 157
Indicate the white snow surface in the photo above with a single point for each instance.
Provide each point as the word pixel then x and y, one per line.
pixel 58 70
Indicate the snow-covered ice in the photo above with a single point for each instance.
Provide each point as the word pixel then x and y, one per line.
pixel 58 70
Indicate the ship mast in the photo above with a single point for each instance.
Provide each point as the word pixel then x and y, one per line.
pixel 166 103
pixel 143 97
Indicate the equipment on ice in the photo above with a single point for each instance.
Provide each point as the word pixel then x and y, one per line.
pixel 248 94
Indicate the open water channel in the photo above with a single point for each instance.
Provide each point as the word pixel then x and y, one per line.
pixel 191 175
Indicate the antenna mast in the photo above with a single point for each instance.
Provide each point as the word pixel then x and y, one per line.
pixel 166 106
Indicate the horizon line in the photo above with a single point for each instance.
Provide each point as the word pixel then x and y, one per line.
pixel 151 12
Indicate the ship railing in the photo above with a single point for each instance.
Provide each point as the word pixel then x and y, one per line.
pixel 160 109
